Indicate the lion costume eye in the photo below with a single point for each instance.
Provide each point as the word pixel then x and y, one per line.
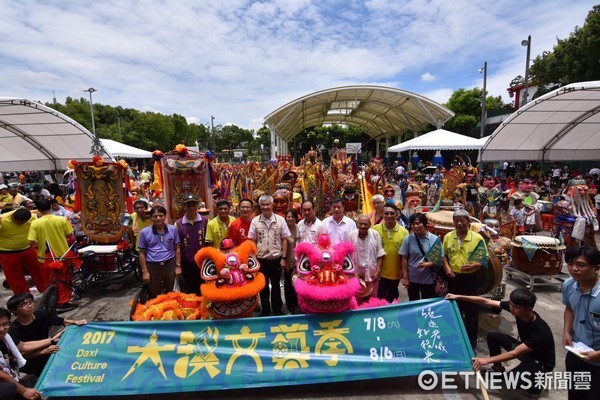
pixel 209 270
pixel 303 266
pixel 253 264
pixel 348 265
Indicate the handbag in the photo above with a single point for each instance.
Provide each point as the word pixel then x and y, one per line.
pixel 439 277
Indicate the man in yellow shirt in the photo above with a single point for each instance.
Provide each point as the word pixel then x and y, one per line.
pixel 392 236
pixel 139 221
pixel 5 199
pixel 459 244
pixel 51 231
pixel 217 228
pixel 16 252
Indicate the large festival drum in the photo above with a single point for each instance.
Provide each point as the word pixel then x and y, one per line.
pixel 488 279
pixel 547 255
pixel 441 221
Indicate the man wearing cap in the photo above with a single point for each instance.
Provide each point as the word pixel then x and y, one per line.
pixel 238 230
pixel 458 245
pixel 5 199
pixel 368 255
pixel 16 252
pixel 192 231
pixel 218 227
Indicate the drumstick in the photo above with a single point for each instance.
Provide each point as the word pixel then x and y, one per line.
pixel 484 392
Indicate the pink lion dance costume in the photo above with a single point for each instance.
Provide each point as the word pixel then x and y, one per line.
pixel 326 280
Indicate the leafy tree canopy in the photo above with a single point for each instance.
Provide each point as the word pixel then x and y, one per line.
pixel 574 59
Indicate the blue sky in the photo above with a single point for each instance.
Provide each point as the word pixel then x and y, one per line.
pixel 240 60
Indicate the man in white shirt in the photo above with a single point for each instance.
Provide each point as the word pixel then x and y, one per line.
pixel 368 255
pixel 338 226
pixel 311 227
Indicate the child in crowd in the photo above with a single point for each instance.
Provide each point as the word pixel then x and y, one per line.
pixel 520 214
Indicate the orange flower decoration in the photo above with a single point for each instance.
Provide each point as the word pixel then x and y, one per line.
pixel 98 161
pixel 181 150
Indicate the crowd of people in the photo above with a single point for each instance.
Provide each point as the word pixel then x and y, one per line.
pixel 392 251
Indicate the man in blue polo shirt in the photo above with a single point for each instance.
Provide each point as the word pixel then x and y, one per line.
pixel 160 256
pixel 581 297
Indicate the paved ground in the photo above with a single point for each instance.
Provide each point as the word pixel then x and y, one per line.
pixel 110 302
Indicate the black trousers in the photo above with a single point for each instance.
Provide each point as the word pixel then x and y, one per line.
pixel 497 341
pixel 191 278
pixel 270 298
pixel 291 299
pixel 420 291
pixel 162 277
pixel 573 364
pixel 388 289
pixel 466 284
pixel 8 391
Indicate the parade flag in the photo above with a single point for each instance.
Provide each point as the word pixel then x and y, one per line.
pixel 529 247
pixel 434 254
pixel 479 254
pixel 366 196
pixel 437 206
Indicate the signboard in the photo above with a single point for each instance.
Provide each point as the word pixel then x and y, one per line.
pixel 129 358
pixel 353 148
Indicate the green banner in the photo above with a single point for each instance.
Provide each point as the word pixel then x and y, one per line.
pixel 127 358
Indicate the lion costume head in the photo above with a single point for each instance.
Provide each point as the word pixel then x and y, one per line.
pixel 233 281
pixel 326 281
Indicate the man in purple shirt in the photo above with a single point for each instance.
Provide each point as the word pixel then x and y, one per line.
pixel 160 256
pixel 192 229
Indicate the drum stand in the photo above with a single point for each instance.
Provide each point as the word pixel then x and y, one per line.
pixel 536 280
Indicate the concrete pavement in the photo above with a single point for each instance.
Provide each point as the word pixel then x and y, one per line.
pixel 110 302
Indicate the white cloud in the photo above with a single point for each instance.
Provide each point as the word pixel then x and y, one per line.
pixel 427 77
pixel 239 60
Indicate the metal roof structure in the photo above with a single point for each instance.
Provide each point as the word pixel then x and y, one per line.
pixel 380 111
pixel 561 125
pixel 34 137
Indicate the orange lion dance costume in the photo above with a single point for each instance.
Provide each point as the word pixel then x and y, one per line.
pixel 233 283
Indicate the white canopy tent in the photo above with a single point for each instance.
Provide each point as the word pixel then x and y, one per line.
pixel 440 139
pixel 559 126
pixel 116 149
pixel 34 137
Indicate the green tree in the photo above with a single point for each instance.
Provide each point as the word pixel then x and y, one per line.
pixel 466 104
pixel 575 59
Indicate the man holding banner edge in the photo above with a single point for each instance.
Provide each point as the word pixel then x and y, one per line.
pixel 535 347
pixel 460 247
